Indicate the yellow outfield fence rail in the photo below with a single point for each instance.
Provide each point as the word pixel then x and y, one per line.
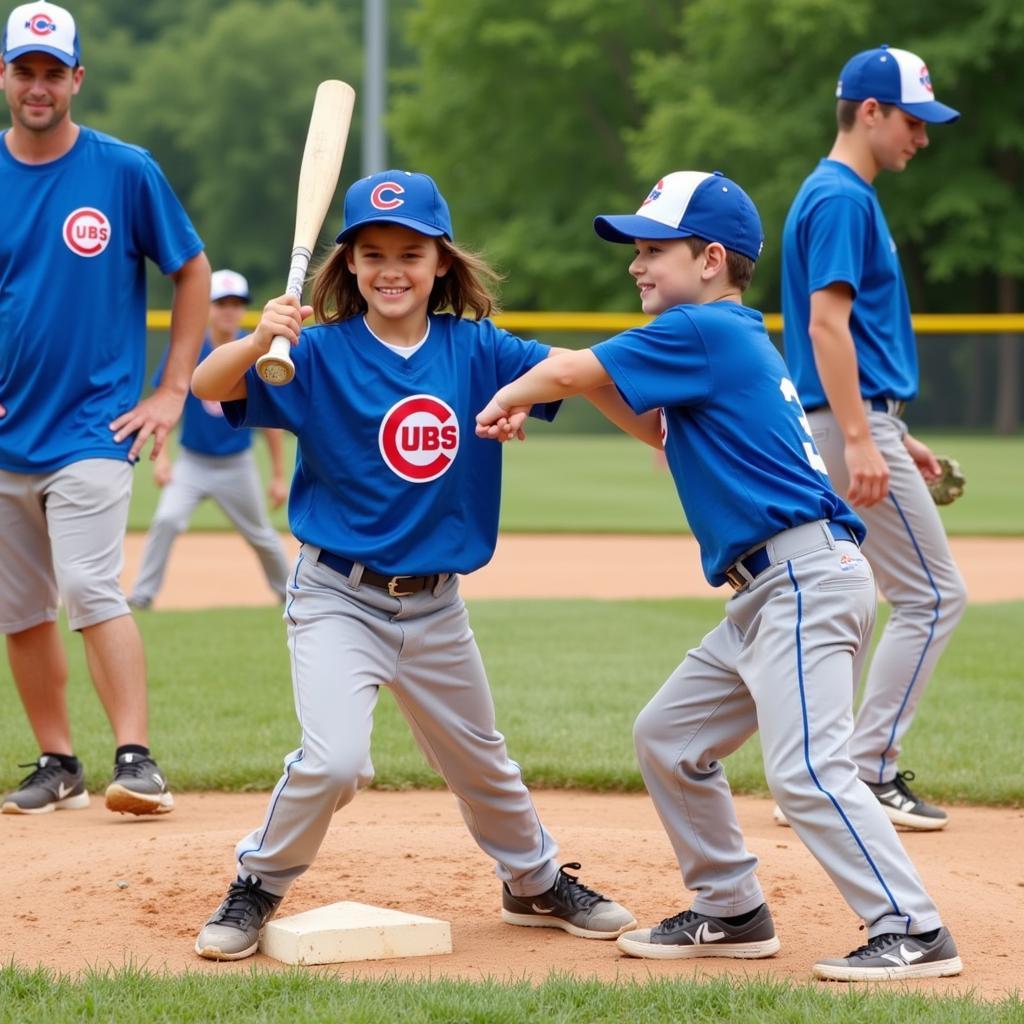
pixel 610 323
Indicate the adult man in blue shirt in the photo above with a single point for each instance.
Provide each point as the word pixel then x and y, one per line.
pixel 851 349
pixel 81 213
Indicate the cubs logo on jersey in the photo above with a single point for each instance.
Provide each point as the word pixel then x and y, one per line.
pixel 419 438
pixel 86 231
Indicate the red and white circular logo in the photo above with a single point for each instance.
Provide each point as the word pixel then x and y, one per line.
pixel 663 424
pixel 419 438
pixel 86 231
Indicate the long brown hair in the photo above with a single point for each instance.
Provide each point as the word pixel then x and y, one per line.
pixel 468 285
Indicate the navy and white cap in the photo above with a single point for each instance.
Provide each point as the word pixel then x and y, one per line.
pixel 42 28
pixel 228 284
pixel 894 76
pixel 691 203
pixel 397 197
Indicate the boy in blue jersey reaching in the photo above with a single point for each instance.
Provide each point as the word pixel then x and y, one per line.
pixel 393 497
pixel 703 379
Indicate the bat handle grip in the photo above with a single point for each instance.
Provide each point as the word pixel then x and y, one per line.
pixel 275 366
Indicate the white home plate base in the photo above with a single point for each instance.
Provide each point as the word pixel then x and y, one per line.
pixel 341 932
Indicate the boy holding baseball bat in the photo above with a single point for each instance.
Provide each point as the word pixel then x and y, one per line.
pixel 704 381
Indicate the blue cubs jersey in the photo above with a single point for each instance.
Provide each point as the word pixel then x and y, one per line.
pixel 204 430
pixel 835 233
pixel 736 438
pixel 388 470
pixel 74 237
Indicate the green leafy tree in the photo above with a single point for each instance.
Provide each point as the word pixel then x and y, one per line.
pixel 519 112
pixel 222 100
pixel 753 95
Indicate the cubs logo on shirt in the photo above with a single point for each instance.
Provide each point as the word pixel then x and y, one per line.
pixel 86 231
pixel 419 438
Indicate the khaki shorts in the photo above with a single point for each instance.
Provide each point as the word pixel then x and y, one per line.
pixel 62 535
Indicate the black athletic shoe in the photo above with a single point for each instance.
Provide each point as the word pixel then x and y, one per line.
pixel 233 932
pixel 906 809
pixel 49 787
pixel 891 957
pixel 138 787
pixel 690 934
pixel 568 905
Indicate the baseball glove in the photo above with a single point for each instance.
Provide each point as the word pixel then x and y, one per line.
pixel 948 487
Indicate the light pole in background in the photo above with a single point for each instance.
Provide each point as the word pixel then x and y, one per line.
pixel 375 56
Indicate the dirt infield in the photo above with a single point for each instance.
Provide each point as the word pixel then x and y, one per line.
pixel 216 569
pixel 91 888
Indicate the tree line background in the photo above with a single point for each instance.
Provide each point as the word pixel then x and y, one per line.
pixel 534 117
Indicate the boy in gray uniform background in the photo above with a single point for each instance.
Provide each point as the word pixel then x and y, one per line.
pixel 215 462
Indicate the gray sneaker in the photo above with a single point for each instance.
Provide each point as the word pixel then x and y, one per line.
pixel 233 932
pixel 47 788
pixel 138 787
pixel 690 934
pixel 904 807
pixel 568 905
pixel 892 957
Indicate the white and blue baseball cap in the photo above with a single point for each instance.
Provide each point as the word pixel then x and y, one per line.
pixel 228 284
pixel 397 197
pixel 42 28
pixel 691 203
pixel 894 76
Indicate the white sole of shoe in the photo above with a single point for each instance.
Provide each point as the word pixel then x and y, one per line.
pixel 913 821
pixel 127 801
pixel 530 921
pixel 780 818
pixel 732 950
pixel 937 969
pixel 69 803
pixel 215 953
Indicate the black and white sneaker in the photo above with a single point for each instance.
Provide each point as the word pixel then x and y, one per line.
pixel 233 932
pixel 904 807
pixel 568 905
pixel 690 934
pixel 138 787
pixel 48 787
pixel 890 957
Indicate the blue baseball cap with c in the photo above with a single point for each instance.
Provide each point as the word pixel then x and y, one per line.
pixel 397 197
pixel 894 76
pixel 691 203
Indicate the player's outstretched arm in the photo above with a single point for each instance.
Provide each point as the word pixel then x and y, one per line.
pixel 156 414
pixel 220 377
pixel 644 427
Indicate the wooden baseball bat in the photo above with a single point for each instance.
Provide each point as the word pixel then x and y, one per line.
pixel 318 178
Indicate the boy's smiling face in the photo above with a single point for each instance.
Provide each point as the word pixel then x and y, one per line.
pixel 667 274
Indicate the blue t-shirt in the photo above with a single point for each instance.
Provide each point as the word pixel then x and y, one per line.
pixel 736 438
pixel 835 232
pixel 204 430
pixel 74 237
pixel 388 470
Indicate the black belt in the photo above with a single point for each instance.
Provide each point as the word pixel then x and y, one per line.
pixel 396 586
pixel 893 406
pixel 757 561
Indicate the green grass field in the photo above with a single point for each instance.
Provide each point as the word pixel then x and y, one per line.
pixel 310 996
pixel 568 679
pixel 608 483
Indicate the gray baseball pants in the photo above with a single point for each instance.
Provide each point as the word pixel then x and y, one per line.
pixel 909 553
pixel 780 663
pixel 349 639
pixel 233 481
